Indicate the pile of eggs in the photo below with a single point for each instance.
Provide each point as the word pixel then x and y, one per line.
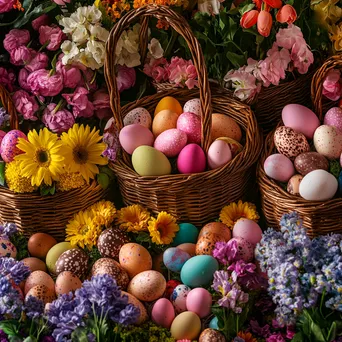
pixel 306 169
pixel 175 132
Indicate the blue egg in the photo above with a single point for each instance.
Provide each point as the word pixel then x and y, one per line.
pixel 174 259
pixel 340 184
pixel 187 233
pixel 214 323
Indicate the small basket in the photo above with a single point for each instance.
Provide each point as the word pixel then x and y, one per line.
pixel 197 198
pixel 34 213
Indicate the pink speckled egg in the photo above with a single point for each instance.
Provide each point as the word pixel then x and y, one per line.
pixel 8 145
pixel 333 117
pixel 190 123
pixel 139 116
pixel 163 313
pixel 219 154
pixel 191 159
pixel 171 142
pixel 245 249
pixel 199 301
pixel 135 135
pixel 328 141
pixel 2 134
pixel 193 106
pixel 7 249
pixel 249 230
pixel 279 167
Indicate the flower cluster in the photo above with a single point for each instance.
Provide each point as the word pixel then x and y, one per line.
pixel 332 85
pixel 8 229
pixel 13 270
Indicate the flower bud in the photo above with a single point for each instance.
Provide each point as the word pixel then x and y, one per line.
pixel 264 23
pixel 249 19
pixel 287 14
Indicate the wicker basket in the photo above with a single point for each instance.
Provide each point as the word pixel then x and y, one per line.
pixel 35 213
pixel 197 198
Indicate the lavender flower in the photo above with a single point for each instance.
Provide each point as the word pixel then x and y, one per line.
pixel 11 303
pixel 3 337
pixel 4 117
pixel 15 270
pixel 8 229
pixel 112 141
pixel 240 269
pixel 34 307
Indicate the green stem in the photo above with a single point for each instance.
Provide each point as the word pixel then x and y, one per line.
pixel 237 324
pixel 58 107
pixel 171 43
pixel 44 46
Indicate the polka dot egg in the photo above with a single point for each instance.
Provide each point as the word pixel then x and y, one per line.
pixel 334 118
pixel 73 260
pixel 245 249
pixel 193 106
pixel 138 116
pixel 110 242
pixel 171 142
pixel 7 249
pixel 178 298
pixel 9 147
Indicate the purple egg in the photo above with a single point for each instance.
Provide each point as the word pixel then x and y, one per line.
pixel 9 147
pixel 279 167
pixel 174 258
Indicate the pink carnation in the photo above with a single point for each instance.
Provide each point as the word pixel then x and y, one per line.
pixel 16 38
pixel 21 55
pixel 43 20
pixel 125 77
pixel 332 87
pixel 157 69
pixel 287 37
pixel 101 104
pixel 57 121
pixel 53 34
pixel 7 78
pixel 41 83
pixel 82 107
pixel 39 61
pixel 182 73
pixel 87 79
pixel 25 104
pixel 62 2
pixel 22 79
pixel 302 56
pixel 6 5
pixel 254 67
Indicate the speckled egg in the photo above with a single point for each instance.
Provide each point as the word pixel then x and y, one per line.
pixel 163 313
pixel 245 249
pixel 39 278
pixel 328 141
pixel 147 286
pixel 279 167
pixel 217 228
pixel 42 293
pixel 34 264
pixel 289 142
pixel 190 123
pixel 178 298
pixel 206 244
pixel 164 120
pixel 171 142
pixel 113 269
pixel 66 282
pixel 73 260
pixel 110 242
pixel 139 116
pixel 54 253
pixel 211 335
pixel 9 147
pixel 193 106
pixel 186 325
pixel 170 286
pixel 333 117
pixel 235 147
pixel 247 229
pixel 143 317
pixel 174 258
pixel 293 185
pixel 309 161
pixel 7 249
pixel 224 126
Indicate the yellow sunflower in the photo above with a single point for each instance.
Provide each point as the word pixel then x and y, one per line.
pixel 163 228
pixel 247 336
pixel 235 211
pixel 133 218
pixel 84 151
pixel 15 181
pixel 69 181
pixel 104 213
pixel 43 157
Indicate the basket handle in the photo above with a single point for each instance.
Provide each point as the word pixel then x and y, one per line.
pixel 180 25
pixel 7 103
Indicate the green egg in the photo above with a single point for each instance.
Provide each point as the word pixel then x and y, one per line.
pixel 187 233
pixel 54 253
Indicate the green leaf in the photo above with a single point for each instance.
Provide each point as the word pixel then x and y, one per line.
pixel 317 332
pixel 298 337
pixel 47 190
pixel 235 59
pixel 79 335
pixel 246 8
pixel 332 332
pixel 30 339
pixel 10 327
pixel 103 180
pixel 108 171
pixel 2 173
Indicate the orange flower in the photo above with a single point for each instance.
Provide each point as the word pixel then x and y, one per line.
pixel 287 14
pixel 258 4
pixel 248 337
pixel 274 3
pixel 162 25
pixel 264 23
pixel 249 19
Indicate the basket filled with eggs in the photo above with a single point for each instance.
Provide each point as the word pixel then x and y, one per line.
pixel 184 159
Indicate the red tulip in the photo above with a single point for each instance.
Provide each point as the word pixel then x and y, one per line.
pixel 287 14
pixel 249 19
pixel 274 3
pixel 264 23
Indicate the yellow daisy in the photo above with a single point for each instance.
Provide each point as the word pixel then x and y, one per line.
pixel 15 181
pixel 235 211
pixel 84 151
pixel 133 218
pixel 43 157
pixel 104 213
pixel 247 336
pixel 163 228
pixel 69 181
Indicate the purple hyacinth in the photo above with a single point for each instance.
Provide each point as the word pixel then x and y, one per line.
pixel 34 307
pixel 16 270
pixel 8 229
pixel 4 117
pixel 11 303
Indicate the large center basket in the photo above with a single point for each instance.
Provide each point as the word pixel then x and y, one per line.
pixel 196 198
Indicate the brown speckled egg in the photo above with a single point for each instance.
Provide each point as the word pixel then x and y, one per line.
pixel 245 249
pixel 39 278
pixel 113 269
pixel 73 260
pixel 41 292
pixel 290 143
pixel 66 282
pixel 211 335
pixel 143 317
pixel 139 116
pixel 7 249
pixel 217 228
pixel 34 264
pixel 110 242
pixel 310 161
pixel 206 244
pixel 293 185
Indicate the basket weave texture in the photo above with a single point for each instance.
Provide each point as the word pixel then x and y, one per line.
pixel 34 213
pixel 196 198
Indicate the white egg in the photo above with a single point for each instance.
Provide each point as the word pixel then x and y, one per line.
pixel 193 106
pixel 138 116
pixel 178 298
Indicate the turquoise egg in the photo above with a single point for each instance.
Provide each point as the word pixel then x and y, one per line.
pixel 174 259
pixel 214 323
pixel 199 271
pixel 187 233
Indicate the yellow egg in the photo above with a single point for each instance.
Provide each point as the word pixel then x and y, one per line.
pixel 170 103
pixel 143 317
pixel 164 120
pixel 224 126
pixel 186 326
pixel 54 253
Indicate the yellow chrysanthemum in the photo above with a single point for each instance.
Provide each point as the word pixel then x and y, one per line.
pixel 163 228
pixel 15 181
pixel 69 181
pixel 336 36
pixel 133 218
pixel 327 13
pixel 104 213
pixel 43 157
pixel 82 231
pixel 247 336
pixel 235 211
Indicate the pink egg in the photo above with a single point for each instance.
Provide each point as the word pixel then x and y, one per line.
pixel 219 154
pixel 191 159
pixel 333 117
pixel 135 135
pixel 249 230
pixel 190 123
pixel 279 167
pixel 163 313
pixel 245 249
pixel 2 134
pixel 171 142
pixel 193 106
pixel 9 147
pixel 199 301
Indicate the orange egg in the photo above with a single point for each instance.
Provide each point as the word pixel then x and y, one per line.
pixel 143 316
pixel 224 126
pixel 169 103
pixel 35 264
pixel 66 282
pixel 217 228
pixel 206 244
pixel 39 278
pixel 190 248
pixel 164 120
pixel 39 244
pixel 42 292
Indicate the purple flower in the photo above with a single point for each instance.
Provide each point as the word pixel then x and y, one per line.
pixel 226 252
pixel 275 338
pixel 11 303
pixel 34 307
pixel 112 141
pixel 238 339
pixel 13 269
pixel 241 269
pixel 257 329
pixel 57 121
pixel 3 336
pixel 4 117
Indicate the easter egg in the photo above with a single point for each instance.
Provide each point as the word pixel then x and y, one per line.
pixel 54 253
pixel 318 185
pixel 216 228
pixel 9 147
pixel 169 103
pixel 135 259
pixel 187 233
pixel 143 316
pixel 186 326
pixel 67 282
pixel 147 161
pixel 190 248
pixel 293 185
pixel 39 244
pixel 174 259
pixel 190 124
pixel 328 141
pixel 333 117
pixel 7 249
pixel 213 324
pixel 206 244
pixel 245 249
pixel 219 154
pixel 147 286
pixel 224 126
pixel 133 136
pixel 42 293
pixel 178 298
pixel 234 146
pixel 163 313
pixel 199 270
pixel 199 301
pixel 279 167
pixel 2 134
pixel 301 119
pixel 39 278
pixel 34 264
pixel 191 159
pixel 171 142
pixel 309 161
pixel 74 260
pixel 247 229
pixel 211 335
pixel 193 106
pixel 139 116
pixel 164 120
pixel 110 242
pixel 170 286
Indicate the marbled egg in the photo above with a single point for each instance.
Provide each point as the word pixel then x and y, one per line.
pixel 219 154
pixel 39 278
pixel 133 136
pixel 74 260
pixel 191 159
pixel 163 313
pixel 199 301
pixel 66 282
pixel 193 106
pixel 7 249
pixel 247 229
pixel 293 185
pixel 190 123
pixel 42 293
pixel 139 116
pixel 245 249
pixel 143 316
pixel 178 298
pixel 289 142
pixel 333 117
pixel 309 161
pixel 164 120
pixel 186 326
pixel 217 228
pixel 211 335
pixel 279 167
pixel 328 141
pixel 171 142
pixel 110 242
pixel 206 244
pixel 174 258
pixel 9 147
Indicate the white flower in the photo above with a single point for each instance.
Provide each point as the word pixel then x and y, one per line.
pixel 209 6
pixel 97 50
pixel 69 24
pixel 89 14
pixel 70 51
pixel 80 35
pixel 87 59
pixel 99 33
pixel 155 49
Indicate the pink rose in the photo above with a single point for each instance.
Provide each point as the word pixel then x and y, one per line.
pixel 302 56
pixel 43 20
pixel 82 107
pixel 6 5
pixel 57 121
pixel 71 75
pixel 157 69
pixel 182 73
pixel 25 104
pixel 20 55
pixel 125 78
pixel 7 78
pixel 53 34
pixel 287 37
pixel 332 88
pixel 62 2
pixel 39 61
pixel 101 104
pixel 41 83
pixel 22 79
pixel 16 38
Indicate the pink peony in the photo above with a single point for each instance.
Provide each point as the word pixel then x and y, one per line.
pixel 332 87
pixel 71 75
pixel 22 79
pixel 302 56
pixel 287 37
pixel 62 2
pixel 101 104
pixel 43 20
pixel 41 83
pixel 39 61
pixel 82 107
pixel 25 104
pixel 16 38
pixel 87 79
pixel 7 78
pixel 21 55
pixel 157 69
pixel 57 121
pixel 6 5
pixel 182 73
pixel 53 35
pixel 125 77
